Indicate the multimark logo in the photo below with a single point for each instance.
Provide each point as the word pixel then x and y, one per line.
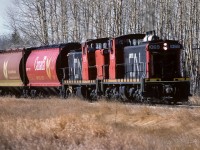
pixel 135 61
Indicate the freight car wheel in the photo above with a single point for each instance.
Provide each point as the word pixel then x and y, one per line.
pixel 1 93
pixel 25 93
pixel 33 93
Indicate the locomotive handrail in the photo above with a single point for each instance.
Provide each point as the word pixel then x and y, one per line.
pixel 132 72
pixel 140 68
pixel 74 74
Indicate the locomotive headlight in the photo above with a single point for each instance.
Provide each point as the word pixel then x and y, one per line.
pixel 165 46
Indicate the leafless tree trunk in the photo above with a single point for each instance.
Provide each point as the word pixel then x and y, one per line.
pixel 41 10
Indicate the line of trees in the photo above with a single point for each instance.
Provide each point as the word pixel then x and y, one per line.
pixel 57 21
pixel 11 41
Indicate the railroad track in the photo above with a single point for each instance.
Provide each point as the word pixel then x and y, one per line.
pixel 176 106
pixel 189 106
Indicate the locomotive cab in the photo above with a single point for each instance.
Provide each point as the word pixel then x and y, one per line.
pixel 164 60
pixel 117 69
pixel 95 59
pixel 164 79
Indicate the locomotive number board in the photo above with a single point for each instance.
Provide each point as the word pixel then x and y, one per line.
pixel 164 46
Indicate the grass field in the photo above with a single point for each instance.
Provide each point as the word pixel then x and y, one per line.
pixel 56 124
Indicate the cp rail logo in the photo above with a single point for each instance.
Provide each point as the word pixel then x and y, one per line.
pixel 5 69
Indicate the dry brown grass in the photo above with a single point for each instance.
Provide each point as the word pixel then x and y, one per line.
pixel 56 124
pixel 195 100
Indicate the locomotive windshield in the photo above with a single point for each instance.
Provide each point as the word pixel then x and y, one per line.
pixel 165 64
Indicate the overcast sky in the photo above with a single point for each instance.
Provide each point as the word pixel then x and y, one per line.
pixel 3 6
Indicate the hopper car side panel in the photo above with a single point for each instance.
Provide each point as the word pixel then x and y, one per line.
pixel 9 69
pixel 41 67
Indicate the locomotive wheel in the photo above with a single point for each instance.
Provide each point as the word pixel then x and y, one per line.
pixel 93 95
pixel 107 93
pixel 124 93
pixel 67 94
pixel 137 96
pixel 17 95
pixel 177 97
pixel 82 92
pixel 71 92
pixel 115 94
